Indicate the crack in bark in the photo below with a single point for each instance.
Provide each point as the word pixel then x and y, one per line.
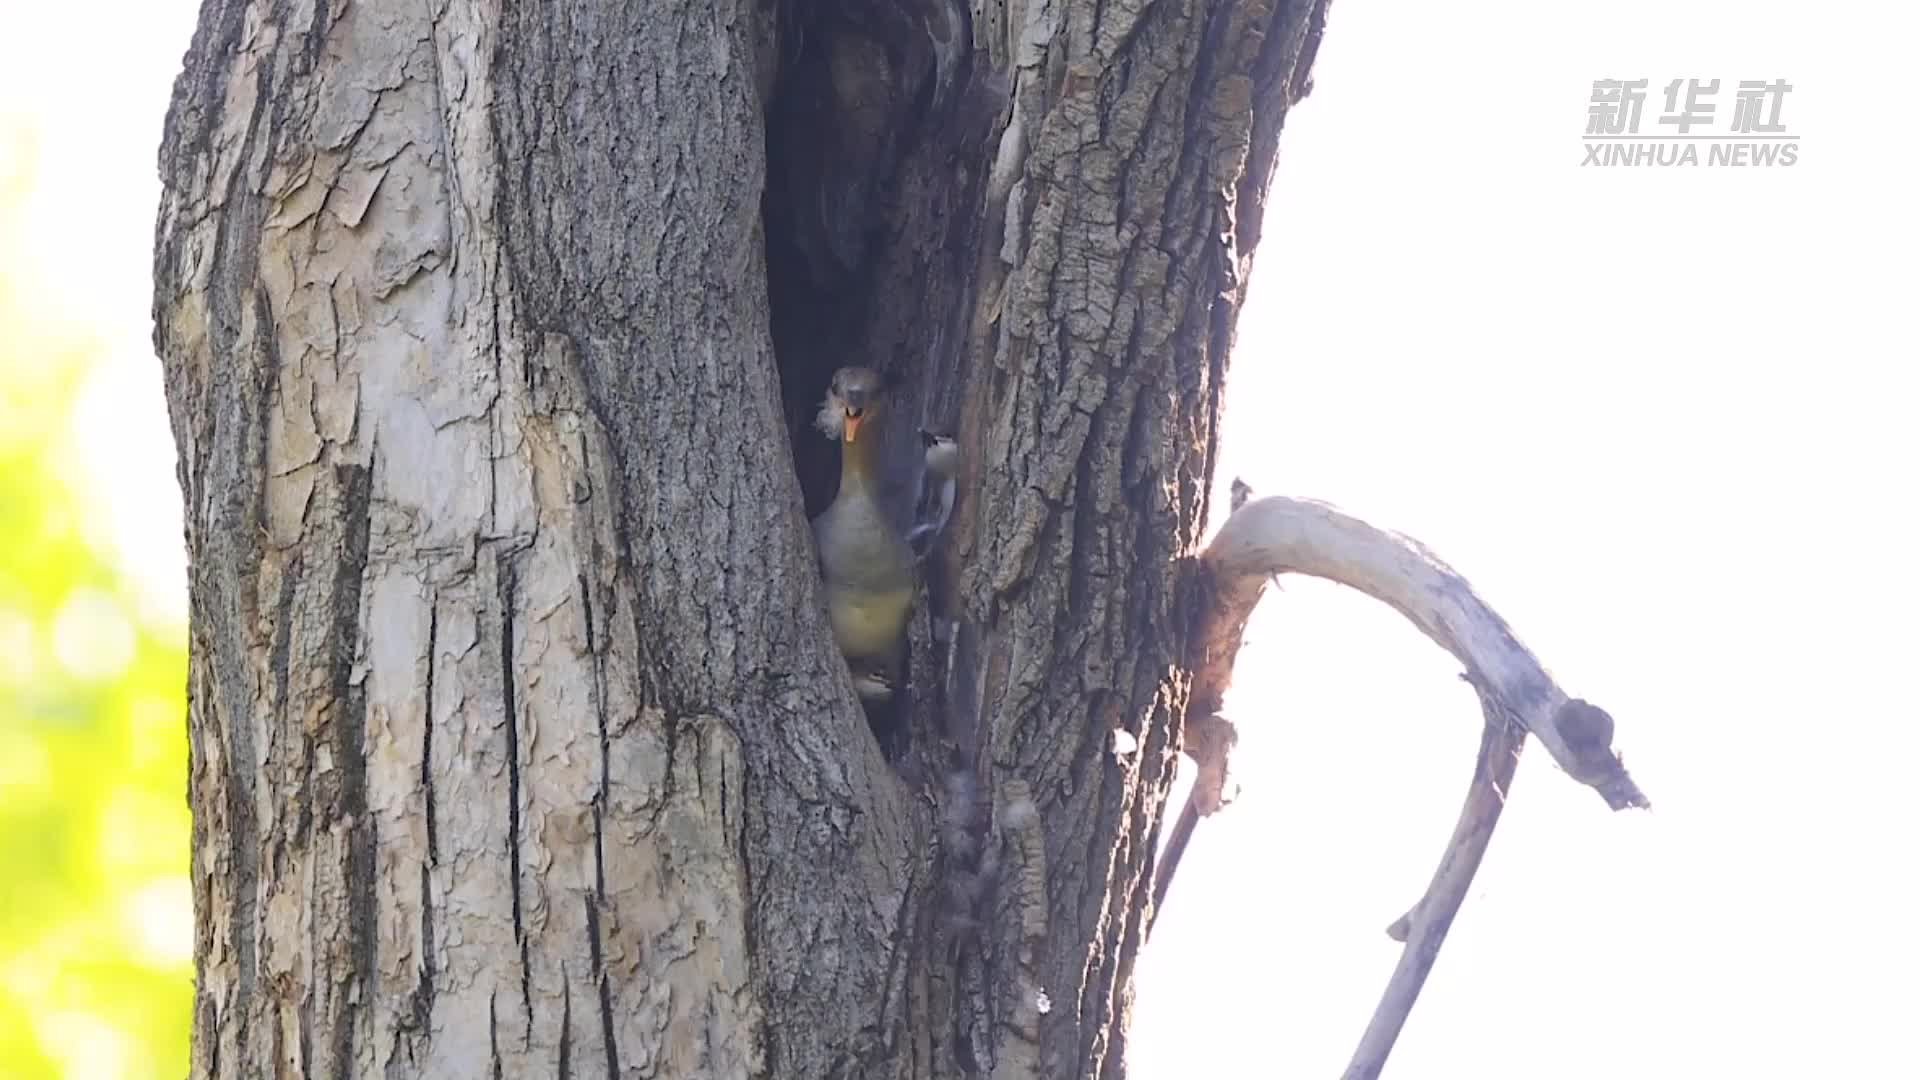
pixel 349 733
pixel 509 707
pixel 566 1026
pixel 598 900
pixel 245 875
pixel 599 965
pixel 301 833
pixel 423 989
pixel 493 1036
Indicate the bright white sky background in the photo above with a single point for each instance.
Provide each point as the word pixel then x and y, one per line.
pixel 1662 418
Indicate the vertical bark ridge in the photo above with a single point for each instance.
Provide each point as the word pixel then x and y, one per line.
pixel 660 314
pixel 355 945
pixel 1099 385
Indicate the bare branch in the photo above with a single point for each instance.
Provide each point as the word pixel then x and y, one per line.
pixel 1280 535
pixel 1424 928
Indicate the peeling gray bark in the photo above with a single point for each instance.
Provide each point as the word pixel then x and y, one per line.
pixel 519 746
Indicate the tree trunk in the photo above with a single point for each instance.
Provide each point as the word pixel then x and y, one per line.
pixel 520 747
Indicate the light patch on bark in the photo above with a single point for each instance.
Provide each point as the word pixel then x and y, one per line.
pixel 486 855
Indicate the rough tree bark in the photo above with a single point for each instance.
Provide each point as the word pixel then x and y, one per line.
pixel 519 745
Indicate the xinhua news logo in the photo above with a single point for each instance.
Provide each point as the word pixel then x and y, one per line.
pixel 1686 133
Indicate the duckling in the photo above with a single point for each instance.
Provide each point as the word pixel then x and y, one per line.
pixel 866 564
pixel 933 491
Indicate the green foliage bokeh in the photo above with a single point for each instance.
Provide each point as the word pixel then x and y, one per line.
pixel 95 905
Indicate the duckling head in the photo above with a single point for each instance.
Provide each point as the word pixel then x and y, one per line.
pixel 854 398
